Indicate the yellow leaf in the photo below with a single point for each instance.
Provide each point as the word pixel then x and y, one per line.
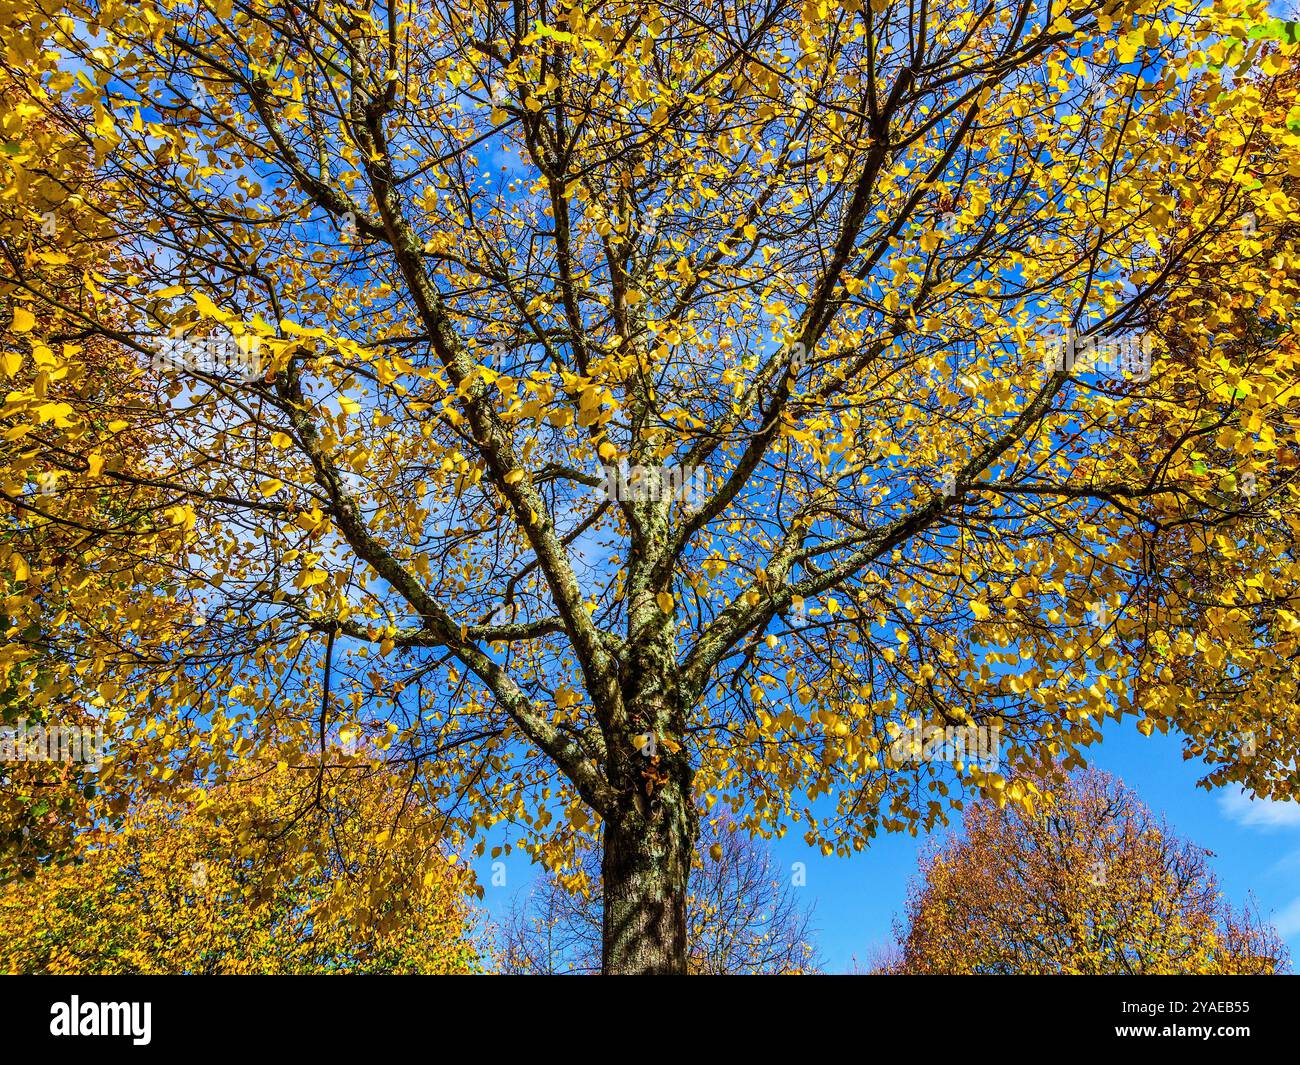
pixel 183 516
pixel 209 309
pixel 665 601
pixel 309 578
pixel 309 522
pixel 24 320
pixel 58 413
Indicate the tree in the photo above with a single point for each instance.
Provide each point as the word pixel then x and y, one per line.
pixel 1091 883
pixel 77 546
pixel 637 407
pixel 1211 583
pixel 743 915
pixel 178 890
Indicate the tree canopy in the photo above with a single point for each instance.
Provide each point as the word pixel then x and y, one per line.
pixel 604 411
pixel 235 884
pixel 1092 884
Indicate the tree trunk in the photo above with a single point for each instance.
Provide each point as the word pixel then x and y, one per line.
pixel 645 867
pixel 650 835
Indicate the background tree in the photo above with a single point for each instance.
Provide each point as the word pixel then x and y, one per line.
pixel 795 258
pixel 1220 613
pixel 178 890
pixel 744 915
pixel 79 527
pixel 1089 883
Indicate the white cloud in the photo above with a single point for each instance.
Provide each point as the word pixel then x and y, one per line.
pixel 1287 922
pixel 1240 807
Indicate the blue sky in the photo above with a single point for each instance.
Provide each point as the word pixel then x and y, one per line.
pixel 1256 847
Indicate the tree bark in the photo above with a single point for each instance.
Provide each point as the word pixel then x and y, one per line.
pixel 645 869
pixel 651 827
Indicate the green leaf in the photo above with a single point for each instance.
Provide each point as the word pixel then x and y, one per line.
pixel 1276 30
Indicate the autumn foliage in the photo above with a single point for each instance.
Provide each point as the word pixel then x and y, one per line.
pixel 244 882
pixel 1090 883
pixel 806 258
pixel 76 536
